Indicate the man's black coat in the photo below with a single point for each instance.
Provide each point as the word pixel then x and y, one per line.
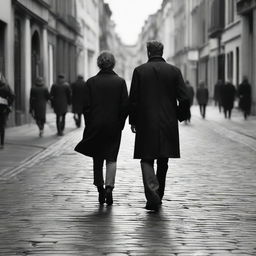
pixel 155 89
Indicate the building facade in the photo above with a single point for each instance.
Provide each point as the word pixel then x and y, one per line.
pixel 109 39
pixel 208 41
pixel 43 36
pixel 247 12
pixel 88 41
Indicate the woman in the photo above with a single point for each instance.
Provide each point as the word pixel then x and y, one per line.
pixel 39 95
pixel 6 100
pixel 106 101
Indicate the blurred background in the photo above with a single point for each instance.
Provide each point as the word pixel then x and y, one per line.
pixel 207 39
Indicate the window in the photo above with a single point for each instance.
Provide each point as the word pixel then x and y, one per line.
pixel 231 11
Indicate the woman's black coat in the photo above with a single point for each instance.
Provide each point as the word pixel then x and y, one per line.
pixel 39 95
pixel 156 87
pixel 105 113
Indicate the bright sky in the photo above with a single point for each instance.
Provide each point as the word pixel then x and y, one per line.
pixel 129 16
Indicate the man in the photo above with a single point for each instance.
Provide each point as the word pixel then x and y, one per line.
pixel 227 94
pixel 191 94
pixel 156 86
pixel 60 98
pixel 202 96
pixel 77 89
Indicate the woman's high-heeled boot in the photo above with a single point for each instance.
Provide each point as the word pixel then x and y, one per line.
pixel 109 196
pixel 102 194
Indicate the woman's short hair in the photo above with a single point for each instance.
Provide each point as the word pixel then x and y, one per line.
pixel 106 60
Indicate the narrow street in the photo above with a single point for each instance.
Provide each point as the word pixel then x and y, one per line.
pixel 49 207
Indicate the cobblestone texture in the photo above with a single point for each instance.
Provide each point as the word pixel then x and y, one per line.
pixel 51 208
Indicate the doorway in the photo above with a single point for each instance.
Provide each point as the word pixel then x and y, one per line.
pixel 36 59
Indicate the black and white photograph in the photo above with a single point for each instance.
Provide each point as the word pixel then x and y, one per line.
pixel 127 127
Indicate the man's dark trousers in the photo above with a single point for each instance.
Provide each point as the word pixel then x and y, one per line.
pixel 154 185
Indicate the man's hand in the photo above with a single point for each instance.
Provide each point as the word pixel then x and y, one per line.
pixel 133 128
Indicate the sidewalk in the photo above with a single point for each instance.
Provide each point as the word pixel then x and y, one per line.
pixel 23 142
pixel 236 128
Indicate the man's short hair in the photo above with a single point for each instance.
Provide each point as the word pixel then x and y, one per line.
pixel 106 60
pixel 155 48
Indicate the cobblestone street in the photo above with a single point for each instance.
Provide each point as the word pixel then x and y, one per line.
pixel 49 206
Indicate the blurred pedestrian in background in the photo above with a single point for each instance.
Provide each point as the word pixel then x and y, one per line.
pixel 245 97
pixel 60 98
pixel 191 94
pixel 39 95
pixel 202 96
pixel 106 108
pixel 77 89
pixel 227 94
pixel 6 100
pixel 155 89
pixel 217 98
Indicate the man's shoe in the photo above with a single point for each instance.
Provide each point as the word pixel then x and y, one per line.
pixel 152 207
pixel 102 195
pixel 109 196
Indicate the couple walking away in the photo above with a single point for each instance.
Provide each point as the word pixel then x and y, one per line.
pixel 153 115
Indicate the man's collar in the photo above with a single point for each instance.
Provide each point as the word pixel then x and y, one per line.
pixel 156 58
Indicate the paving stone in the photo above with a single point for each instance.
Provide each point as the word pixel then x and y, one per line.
pixel 50 206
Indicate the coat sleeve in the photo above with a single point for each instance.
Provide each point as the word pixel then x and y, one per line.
pixel 87 102
pixel 124 104
pixel 47 94
pixel 133 98
pixel 183 111
pixel 68 93
pixel 52 95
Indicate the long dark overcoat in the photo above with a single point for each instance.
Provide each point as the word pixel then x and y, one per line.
pixel 77 89
pixel 105 113
pixel 60 97
pixel 39 95
pixel 245 96
pixel 156 86
pixel 191 94
pixel 217 89
pixel 202 96
pixel 227 95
